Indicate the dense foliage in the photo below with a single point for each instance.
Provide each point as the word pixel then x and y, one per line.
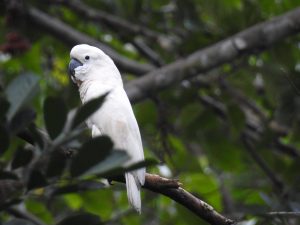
pixel 231 135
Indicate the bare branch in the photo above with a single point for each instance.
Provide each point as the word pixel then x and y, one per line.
pixel 255 38
pixel 286 214
pixel 72 37
pixel 149 53
pixel 172 189
pixel 113 21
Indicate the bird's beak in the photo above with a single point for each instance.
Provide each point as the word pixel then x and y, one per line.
pixel 74 63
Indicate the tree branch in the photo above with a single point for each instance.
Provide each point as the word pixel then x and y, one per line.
pixel 118 24
pixel 283 214
pixel 276 181
pixel 255 38
pixel 172 189
pixel 146 51
pixel 72 37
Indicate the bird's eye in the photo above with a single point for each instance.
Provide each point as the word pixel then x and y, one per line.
pixel 87 57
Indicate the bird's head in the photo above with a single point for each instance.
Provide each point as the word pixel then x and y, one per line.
pixel 88 63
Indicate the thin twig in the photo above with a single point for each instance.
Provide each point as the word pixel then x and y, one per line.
pixel 283 214
pixel 277 182
pixel 148 52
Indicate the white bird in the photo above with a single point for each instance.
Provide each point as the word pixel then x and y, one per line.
pixel 96 74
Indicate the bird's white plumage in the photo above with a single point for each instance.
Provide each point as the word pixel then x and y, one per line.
pixel 97 76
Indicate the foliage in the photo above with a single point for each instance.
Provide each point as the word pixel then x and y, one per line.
pixel 208 131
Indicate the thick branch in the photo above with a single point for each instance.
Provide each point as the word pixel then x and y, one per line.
pixel 72 37
pixel 172 189
pixel 257 37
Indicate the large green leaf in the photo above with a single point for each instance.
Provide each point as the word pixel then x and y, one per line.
pixel 21 120
pixel 22 157
pixel 55 115
pixel 4 107
pixel 57 163
pixel 80 186
pixel 90 154
pixel 87 109
pixel 141 164
pixel 20 91
pixel 111 166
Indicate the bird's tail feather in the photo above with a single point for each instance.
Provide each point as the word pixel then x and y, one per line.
pixel 133 191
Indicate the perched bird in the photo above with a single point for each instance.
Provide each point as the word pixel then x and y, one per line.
pixel 96 74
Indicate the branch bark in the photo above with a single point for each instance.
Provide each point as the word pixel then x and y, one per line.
pixel 256 38
pixel 172 189
pixel 72 37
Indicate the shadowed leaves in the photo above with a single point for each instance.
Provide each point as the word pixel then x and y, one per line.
pixel 87 110
pixel 55 115
pixel 20 91
pixel 22 157
pixel 90 154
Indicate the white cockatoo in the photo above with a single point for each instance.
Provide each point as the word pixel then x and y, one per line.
pixel 96 74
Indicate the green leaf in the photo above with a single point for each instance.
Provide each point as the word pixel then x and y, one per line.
pixel 90 154
pixel 22 158
pixel 21 120
pixel 57 164
pixel 83 185
pixel 55 115
pixel 112 165
pixel 79 219
pixel 145 163
pixel 87 109
pixel 4 139
pixel 20 91
pixel 4 108
pixel 38 207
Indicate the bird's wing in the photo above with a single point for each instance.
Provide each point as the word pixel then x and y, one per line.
pixel 116 119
